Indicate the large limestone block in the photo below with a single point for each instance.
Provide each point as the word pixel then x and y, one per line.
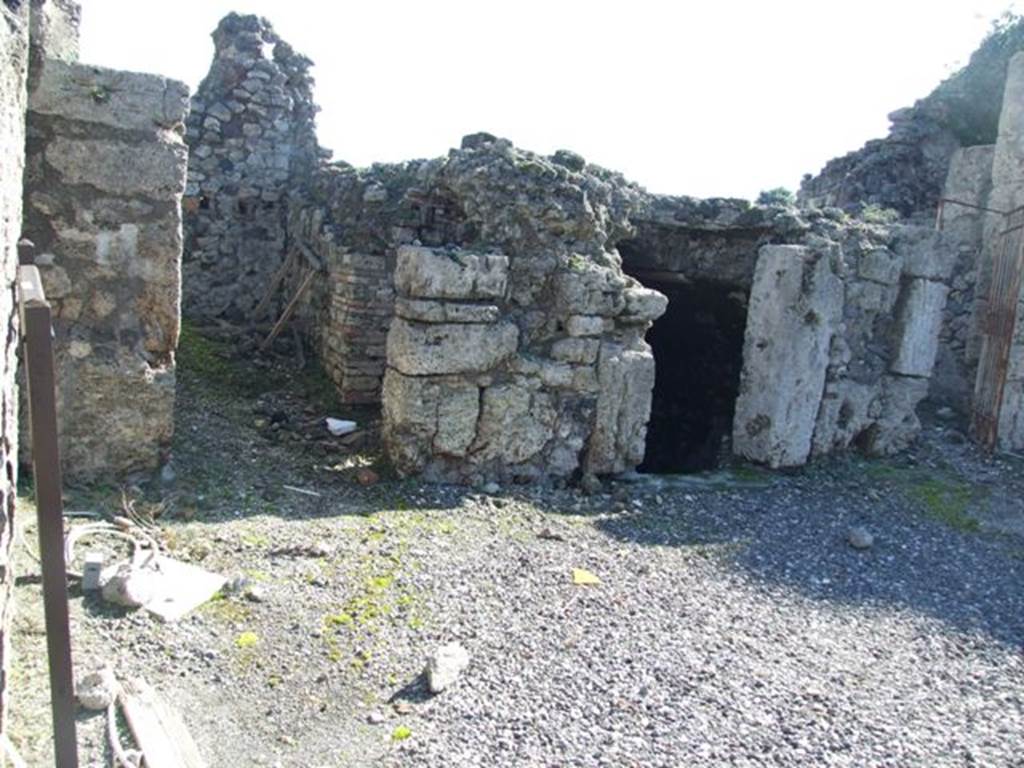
pixel 970 180
pixel 428 311
pixel 422 349
pixel 1008 159
pixel 918 326
pixel 1011 417
pixel 410 420
pixel 926 253
pixel 626 381
pixel 442 274
pixel 516 424
pixel 124 100
pixel 458 408
pixel 644 305
pixel 153 168
pixel 114 394
pixel 897 424
pixel 427 417
pixel 592 289
pixel 795 305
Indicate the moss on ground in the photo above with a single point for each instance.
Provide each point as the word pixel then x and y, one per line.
pixel 937 491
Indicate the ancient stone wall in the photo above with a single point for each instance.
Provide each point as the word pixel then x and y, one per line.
pixel 252 146
pixel 353 220
pixel 969 181
pixel 104 177
pixel 519 353
pixel 1007 195
pixel 554 362
pixel 14 58
pixel 842 334
pixel 990 177
pixel 716 239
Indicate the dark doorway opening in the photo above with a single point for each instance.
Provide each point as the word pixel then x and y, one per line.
pixel 698 351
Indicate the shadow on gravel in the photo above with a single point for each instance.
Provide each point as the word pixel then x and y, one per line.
pixel 793 537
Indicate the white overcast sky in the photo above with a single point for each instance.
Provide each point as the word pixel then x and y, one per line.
pixel 714 97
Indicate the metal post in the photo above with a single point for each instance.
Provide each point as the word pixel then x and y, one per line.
pixel 37 333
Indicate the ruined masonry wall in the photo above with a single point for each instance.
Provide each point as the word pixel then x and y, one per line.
pixel 14 57
pixel 992 177
pixel 105 172
pixel 842 335
pixel 517 351
pixel 252 146
pixel 969 180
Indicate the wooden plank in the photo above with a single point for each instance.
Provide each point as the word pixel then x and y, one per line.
pixel 289 310
pixel 158 730
pixel 312 258
pixel 275 283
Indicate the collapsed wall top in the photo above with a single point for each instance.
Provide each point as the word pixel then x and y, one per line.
pixel 906 170
pixel 252 140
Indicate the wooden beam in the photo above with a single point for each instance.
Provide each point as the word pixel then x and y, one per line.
pixel 289 310
pixel 275 283
pixel 158 730
pixel 37 335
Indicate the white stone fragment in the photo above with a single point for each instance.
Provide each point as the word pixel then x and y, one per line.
pixel 445 665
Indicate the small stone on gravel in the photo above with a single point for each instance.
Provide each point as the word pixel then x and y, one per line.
pixel 256 594
pixel 860 538
pixel 96 690
pixel 590 484
pixel 366 476
pixel 445 665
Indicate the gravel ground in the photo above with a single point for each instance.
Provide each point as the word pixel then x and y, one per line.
pixel 734 624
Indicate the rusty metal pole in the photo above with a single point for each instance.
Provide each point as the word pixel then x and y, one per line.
pixel 37 333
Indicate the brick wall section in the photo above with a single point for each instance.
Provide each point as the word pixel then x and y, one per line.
pixel 13 71
pixel 354 333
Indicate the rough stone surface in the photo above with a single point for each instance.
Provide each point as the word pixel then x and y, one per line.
pixel 918 323
pixel 794 308
pixel 105 173
pixel 14 65
pixel 53 34
pixel 517 351
pixel 445 665
pixel 419 349
pixel 970 181
pixel 252 144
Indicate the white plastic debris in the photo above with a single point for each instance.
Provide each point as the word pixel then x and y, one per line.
pixel 91 571
pixel 339 427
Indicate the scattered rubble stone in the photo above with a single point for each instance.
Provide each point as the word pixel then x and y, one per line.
pixel 445 665
pixel 96 691
pixel 860 538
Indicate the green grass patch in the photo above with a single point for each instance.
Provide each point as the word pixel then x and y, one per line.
pixel 213 363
